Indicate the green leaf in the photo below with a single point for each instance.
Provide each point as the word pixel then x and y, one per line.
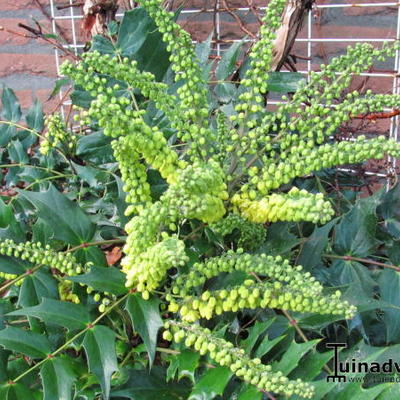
pixel 58 85
pixel 279 239
pixel 7 132
pixel 357 276
pixel 103 279
pixel 11 109
pixel 267 344
pixel 143 385
pixel 69 223
pixel 71 316
pixel 15 391
pixel 315 245
pixel 6 214
pixel 133 31
pixel 211 384
pixel 57 379
pixel 35 117
pixel 250 393
pixel 32 344
pixel 99 345
pixel 355 233
pixel 389 284
pixel 227 65
pixel 17 152
pixel 311 365
pixel 185 364
pixel 389 208
pixel 254 334
pixel 102 45
pixel 95 147
pixel 203 49
pixel 284 82
pixel 291 358
pixel 146 321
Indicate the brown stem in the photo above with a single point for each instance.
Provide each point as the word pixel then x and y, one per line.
pixel 362 260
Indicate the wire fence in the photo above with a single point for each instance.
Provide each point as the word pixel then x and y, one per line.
pixel 328 29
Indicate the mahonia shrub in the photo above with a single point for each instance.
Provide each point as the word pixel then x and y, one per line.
pixel 229 174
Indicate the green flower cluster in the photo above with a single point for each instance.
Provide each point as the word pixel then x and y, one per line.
pixel 296 205
pixel 146 270
pixel 199 192
pixel 134 175
pixel 274 268
pixel 224 353
pixel 254 295
pixel 56 134
pixel 10 277
pixel 252 235
pixel 66 294
pixel 35 253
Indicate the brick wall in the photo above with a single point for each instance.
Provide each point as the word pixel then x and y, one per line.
pixel 28 65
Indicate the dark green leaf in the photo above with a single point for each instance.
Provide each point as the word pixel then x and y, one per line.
pixel 95 147
pixel 227 65
pixel 146 320
pixel 35 117
pixel 143 385
pixel 30 343
pixel 311 365
pixel 102 45
pixel 284 82
pixel 292 356
pixel 203 49
pixel 7 132
pixel 279 239
pixel 6 214
pixel 11 265
pixel 311 252
pixel 99 345
pixel 250 393
pixel 103 279
pixel 57 378
pixel 185 364
pixel 71 316
pixel 255 333
pixel 17 152
pixel 355 233
pixel 66 218
pixel 15 391
pixel 389 284
pixel 389 208
pixel 133 31
pixel 11 109
pixel 57 87
pixel 211 384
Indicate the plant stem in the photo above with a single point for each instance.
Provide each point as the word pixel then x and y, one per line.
pixel 68 342
pixel 362 260
pixel 18 278
pixel 99 243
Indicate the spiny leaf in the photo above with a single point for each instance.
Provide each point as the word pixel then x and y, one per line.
pixel 143 385
pixel 99 345
pixel 146 320
pixel 103 279
pixel 211 384
pixel 11 109
pixel 71 316
pixel 69 223
pixel 30 343
pixel 57 378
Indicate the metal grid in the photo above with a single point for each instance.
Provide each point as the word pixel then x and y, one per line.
pixel 307 40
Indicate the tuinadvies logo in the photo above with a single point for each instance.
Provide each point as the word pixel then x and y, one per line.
pixel 341 368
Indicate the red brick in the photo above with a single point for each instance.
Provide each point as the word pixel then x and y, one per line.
pixel 26 98
pixel 10 5
pixel 43 64
pixel 10 38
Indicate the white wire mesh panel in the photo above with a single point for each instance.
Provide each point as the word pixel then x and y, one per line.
pixel 329 28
